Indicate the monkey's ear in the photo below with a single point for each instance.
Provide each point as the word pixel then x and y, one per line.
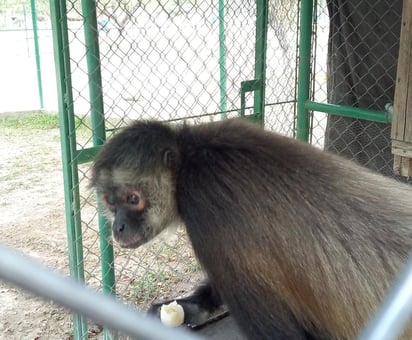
pixel 169 159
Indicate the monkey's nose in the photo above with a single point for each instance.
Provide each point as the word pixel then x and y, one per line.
pixel 119 228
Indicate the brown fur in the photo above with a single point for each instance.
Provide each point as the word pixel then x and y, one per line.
pixel 296 240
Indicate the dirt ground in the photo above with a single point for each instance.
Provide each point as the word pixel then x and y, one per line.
pixel 32 221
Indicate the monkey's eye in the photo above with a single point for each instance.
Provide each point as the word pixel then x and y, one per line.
pixel 133 199
pixel 108 200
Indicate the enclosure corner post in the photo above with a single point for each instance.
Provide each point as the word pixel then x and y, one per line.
pixel 305 37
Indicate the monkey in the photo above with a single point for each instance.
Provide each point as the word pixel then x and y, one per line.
pixel 296 242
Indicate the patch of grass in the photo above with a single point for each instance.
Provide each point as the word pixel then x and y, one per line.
pixel 148 286
pixel 193 266
pixel 7 178
pixel 38 121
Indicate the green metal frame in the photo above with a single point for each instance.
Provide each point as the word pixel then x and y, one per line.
pixel 98 128
pixel 99 136
pixel 37 51
pixel 68 143
pixel 222 57
pixel 257 85
pixel 304 104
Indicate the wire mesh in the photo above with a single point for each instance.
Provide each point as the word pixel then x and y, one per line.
pixel 18 58
pixel 357 45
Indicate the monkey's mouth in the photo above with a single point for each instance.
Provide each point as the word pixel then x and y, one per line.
pixel 131 243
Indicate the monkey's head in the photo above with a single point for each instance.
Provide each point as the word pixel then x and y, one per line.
pixel 135 175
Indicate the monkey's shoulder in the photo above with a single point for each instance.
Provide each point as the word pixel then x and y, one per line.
pixel 236 142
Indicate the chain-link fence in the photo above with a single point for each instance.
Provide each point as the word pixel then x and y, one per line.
pixel 26 58
pixel 186 61
pixel 362 52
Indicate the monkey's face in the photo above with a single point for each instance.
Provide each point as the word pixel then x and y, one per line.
pixel 139 206
pixel 128 207
pixel 135 173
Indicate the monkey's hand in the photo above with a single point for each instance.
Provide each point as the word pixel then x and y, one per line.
pixel 203 306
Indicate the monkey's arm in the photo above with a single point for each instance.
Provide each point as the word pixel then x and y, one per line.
pixel 198 307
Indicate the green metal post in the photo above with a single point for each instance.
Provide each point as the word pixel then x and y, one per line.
pixel 91 37
pixel 305 37
pixel 37 51
pixel 222 57
pixel 262 12
pixel 98 124
pixel 25 31
pixel 68 143
pixel 99 135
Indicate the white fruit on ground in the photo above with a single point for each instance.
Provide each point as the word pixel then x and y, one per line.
pixel 172 314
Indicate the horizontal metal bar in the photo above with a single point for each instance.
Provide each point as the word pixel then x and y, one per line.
pixel 87 155
pixel 349 111
pixel 101 308
pixel 395 312
pixel 250 85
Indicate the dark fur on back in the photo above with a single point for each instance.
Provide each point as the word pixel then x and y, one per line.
pixel 291 226
pixel 290 235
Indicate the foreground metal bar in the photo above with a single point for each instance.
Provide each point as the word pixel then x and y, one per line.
pixel 395 311
pixel 103 309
